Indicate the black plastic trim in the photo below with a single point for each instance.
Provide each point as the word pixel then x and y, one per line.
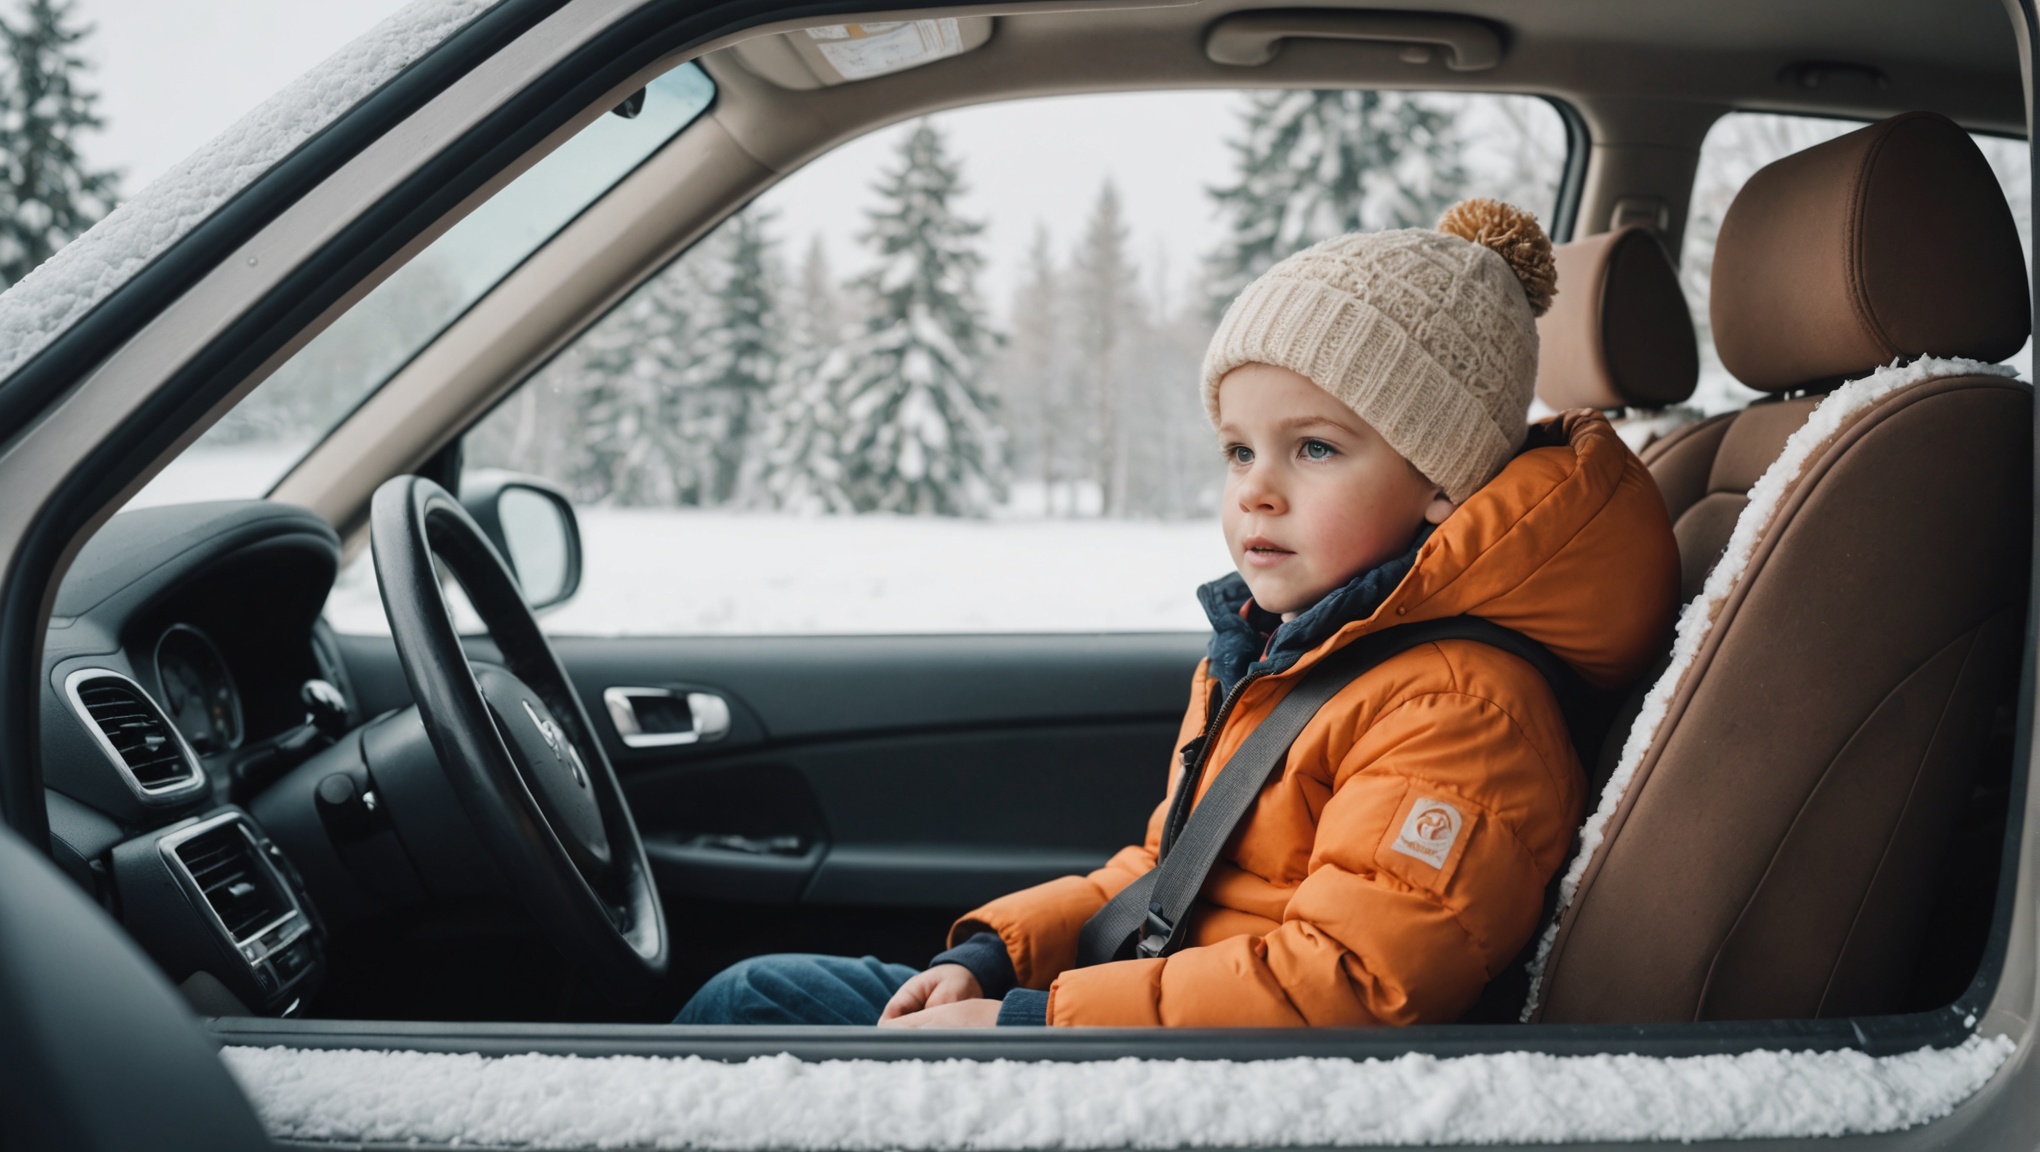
pixel 1572 183
pixel 1877 1036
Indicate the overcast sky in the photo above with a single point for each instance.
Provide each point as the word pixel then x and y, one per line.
pixel 1041 162
pixel 172 74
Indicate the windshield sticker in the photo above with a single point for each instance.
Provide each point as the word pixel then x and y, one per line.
pixel 861 51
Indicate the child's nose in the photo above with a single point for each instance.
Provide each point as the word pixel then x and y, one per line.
pixel 1258 491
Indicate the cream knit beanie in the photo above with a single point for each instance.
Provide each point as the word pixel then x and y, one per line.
pixel 1430 337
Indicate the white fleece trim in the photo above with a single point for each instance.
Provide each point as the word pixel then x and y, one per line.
pixel 779 1102
pixel 1696 621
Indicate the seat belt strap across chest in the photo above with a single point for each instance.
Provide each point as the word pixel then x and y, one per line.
pixel 1144 920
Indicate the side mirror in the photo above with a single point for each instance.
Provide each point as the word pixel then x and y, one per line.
pixel 532 524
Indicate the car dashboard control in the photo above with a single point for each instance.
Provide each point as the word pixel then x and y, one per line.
pixel 215 895
pixel 145 748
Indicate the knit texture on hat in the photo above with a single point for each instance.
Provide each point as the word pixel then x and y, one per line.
pixel 1428 337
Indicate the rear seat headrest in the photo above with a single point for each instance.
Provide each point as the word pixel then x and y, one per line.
pixel 1618 334
pixel 1892 241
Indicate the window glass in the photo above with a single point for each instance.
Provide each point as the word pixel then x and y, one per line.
pixel 247 452
pixel 946 378
pixel 1738 145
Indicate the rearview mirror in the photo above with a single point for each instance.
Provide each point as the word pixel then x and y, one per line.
pixel 532 524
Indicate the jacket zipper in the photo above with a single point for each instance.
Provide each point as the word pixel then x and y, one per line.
pixel 1193 770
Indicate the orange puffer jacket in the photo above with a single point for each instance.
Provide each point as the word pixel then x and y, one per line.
pixel 1331 906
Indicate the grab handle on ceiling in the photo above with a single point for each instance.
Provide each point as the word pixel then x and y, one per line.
pixel 1249 39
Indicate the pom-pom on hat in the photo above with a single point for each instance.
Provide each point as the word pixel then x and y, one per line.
pixel 1429 336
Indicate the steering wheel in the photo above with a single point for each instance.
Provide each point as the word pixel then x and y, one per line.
pixel 516 745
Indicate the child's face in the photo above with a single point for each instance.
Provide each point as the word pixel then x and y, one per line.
pixel 1313 495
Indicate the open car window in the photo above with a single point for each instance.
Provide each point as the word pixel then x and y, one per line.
pixel 247 452
pixel 959 358
pixel 1823 787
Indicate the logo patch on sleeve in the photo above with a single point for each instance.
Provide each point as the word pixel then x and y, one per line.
pixel 1429 831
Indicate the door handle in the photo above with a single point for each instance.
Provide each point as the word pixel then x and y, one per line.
pixel 665 718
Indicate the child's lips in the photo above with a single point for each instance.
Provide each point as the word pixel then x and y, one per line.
pixel 1264 553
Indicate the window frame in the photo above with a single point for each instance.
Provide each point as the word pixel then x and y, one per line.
pixel 77 501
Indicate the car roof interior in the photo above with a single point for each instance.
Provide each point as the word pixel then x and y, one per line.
pixel 1647 82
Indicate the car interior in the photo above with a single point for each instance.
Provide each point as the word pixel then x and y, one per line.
pixel 319 836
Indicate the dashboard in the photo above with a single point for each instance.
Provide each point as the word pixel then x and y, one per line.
pixel 198 690
pixel 185 668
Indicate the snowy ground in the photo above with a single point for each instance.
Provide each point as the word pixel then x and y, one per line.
pixel 779 1102
pixel 671 572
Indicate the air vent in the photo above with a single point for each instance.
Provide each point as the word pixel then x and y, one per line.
pixel 241 891
pixel 133 731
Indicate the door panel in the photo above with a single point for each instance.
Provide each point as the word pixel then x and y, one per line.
pixel 914 774
pixel 935 820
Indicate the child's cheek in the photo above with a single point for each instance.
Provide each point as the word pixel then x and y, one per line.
pixel 1355 538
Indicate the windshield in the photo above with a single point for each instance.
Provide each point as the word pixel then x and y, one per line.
pixel 256 444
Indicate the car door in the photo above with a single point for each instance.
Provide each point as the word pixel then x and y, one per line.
pixel 867 789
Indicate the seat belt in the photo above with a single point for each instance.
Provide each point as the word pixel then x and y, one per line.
pixel 1145 919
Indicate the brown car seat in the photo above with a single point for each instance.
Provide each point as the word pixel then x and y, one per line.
pixel 1618 335
pixel 1773 848
pixel 1681 460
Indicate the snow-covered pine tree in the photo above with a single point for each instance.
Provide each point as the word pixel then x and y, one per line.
pixel 1171 456
pixel 920 432
pixel 794 466
pixel 1516 145
pixel 1108 314
pixel 733 359
pixel 1316 163
pixel 616 410
pixel 1030 379
pixel 815 321
pixel 48 193
pixel 633 441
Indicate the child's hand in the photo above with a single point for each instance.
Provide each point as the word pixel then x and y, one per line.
pixel 942 984
pixel 956 1014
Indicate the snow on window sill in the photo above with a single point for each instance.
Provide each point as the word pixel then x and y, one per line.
pixel 780 1102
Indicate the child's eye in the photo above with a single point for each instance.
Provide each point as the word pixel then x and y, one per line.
pixel 1318 450
pixel 1239 454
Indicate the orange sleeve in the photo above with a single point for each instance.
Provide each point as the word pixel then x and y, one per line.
pixel 1040 925
pixel 1375 934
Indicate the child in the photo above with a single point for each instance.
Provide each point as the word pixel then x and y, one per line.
pixel 1370 395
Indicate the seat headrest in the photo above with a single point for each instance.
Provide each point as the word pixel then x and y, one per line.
pixel 1618 334
pixel 1892 241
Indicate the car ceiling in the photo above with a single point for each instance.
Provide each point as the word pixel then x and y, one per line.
pixel 1952 34
pixel 1957 56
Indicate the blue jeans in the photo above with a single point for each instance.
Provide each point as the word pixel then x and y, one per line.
pixel 797 988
